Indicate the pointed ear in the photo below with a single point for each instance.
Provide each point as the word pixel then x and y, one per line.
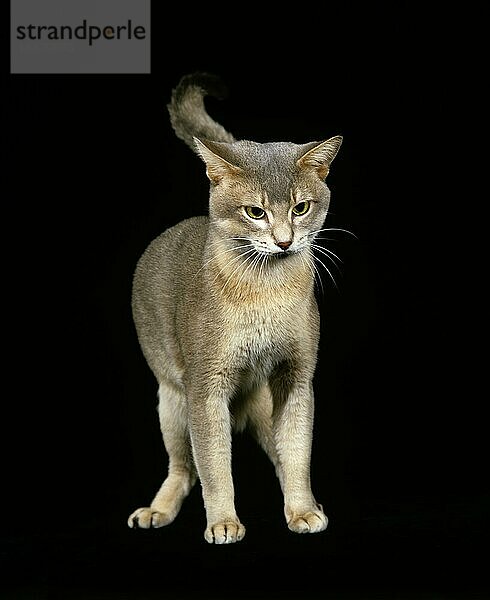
pixel 321 155
pixel 217 167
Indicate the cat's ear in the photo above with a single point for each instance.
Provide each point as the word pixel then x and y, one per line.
pixel 320 156
pixel 217 167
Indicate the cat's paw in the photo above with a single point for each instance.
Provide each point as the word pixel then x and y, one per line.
pixel 311 521
pixel 147 518
pixel 224 532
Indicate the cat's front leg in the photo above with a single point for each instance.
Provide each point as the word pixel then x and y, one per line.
pixel 210 429
pixel 293 430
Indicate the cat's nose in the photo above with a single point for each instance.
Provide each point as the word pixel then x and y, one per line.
pixel 284 245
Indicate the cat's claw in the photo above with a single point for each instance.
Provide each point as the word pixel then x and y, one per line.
pixel 225 532
pixel 146 518
pixel 312 521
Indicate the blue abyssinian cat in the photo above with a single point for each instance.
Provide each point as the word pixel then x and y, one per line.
pixel 226 316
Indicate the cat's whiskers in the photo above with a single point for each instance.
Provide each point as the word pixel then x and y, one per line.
pixel 319 261
pixel 316 273
pixel 310 264
pixel 217 256
pixel 240 264
pixel 263 261
pixel 314 233
pixel 254 265
pixel 251 265
pixel 328 253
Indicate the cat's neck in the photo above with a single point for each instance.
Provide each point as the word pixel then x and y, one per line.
pixel 238 274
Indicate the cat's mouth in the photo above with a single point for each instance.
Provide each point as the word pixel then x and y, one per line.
pixel 280 254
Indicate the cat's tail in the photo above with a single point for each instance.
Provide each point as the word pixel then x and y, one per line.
pixel 187 111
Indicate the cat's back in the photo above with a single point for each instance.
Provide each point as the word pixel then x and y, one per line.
pixel 171 258
pixel 165 277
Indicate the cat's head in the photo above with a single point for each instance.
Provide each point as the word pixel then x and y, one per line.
pixel 272 194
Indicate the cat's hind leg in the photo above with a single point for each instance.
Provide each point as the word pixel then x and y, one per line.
pixel 259 416
pixel 182 473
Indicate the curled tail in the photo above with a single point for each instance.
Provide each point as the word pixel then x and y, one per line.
pixel 188 114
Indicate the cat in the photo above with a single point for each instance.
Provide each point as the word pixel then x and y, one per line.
pixel 226 316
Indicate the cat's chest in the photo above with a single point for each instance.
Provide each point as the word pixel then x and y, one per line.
pixel 261 335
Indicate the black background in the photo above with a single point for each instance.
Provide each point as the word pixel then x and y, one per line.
pixel 95 172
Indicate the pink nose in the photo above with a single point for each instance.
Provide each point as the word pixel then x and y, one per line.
pixel 284 245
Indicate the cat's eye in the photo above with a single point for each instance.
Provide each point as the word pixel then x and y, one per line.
pixel 301 208
pixel 255 212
